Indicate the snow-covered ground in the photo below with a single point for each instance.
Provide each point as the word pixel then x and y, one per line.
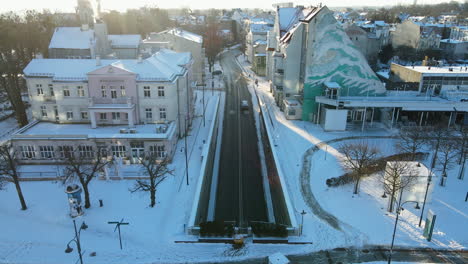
pixel 363 218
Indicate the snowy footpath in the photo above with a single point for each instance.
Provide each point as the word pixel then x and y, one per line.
pixel 334 216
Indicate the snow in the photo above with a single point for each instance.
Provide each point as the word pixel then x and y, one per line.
pixel 125 41
pixel 185 34
pixel 45 130
pixel 259 27
pixel 162 66
pixel 431 70
pixel 72 38
pixel 362 218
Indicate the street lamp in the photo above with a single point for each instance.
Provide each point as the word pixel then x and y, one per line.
pixel 76 239
pixel 302 221
pixel 399 208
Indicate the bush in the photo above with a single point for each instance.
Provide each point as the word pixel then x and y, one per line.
pixel 216 228
pixel 269 230
pixel 378 165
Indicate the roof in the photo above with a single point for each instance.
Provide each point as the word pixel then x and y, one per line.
pixel 260 27
pixel 41 130
pixel 163 66
pixel 71 38
pixel 288 17
pixel 439 70
pixel 125 41
pixel 184 34
pixel 332 85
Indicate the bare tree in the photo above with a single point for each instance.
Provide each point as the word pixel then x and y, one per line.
pixel 411 140
pixel 358 157
pixel 398 176
pixel 83 165
pixel 157 171
pixel 447 157
pixel 9 170
pixel 462 143
pixel 435 137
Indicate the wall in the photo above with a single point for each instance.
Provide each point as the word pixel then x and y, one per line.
pixel 335 120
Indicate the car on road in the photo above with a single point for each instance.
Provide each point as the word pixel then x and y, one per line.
pixel 244 105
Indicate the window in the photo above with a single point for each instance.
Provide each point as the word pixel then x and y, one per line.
pixel 149 113
pixel 113 92
pixel 47 152
pixel 158 150
pixel 80 91
pixel 103 116
pixel 43 111
pixel 118 151
pixel 39 89
pixel 65 151
pixel 85 151
pixel 66 91
pixel 161 91
pixel 147 91
pixel 84 115
pixel 162 113
pixel 56 113
pixel 103 91
pixel 292 112
pixel 69 115
pixel 27 152
pixel 122 91
pixel 51 90
pixel 115 116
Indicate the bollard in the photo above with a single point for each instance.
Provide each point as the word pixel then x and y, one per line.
pixel 101 204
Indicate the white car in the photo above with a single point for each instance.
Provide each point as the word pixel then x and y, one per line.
pixel 244 105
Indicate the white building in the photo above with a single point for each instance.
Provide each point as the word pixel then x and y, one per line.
pixel 113 103
pixel 181 40
pixel 256 34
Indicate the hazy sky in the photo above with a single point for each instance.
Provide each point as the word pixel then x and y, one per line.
pixel 68 5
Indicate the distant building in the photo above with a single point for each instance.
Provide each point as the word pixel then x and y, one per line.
pixel 123 107
pixel 181 40
pixel 367 43
pixel 415 35
pixel 454 49
pixel 87 43
pixel 459 33
pixel 258 30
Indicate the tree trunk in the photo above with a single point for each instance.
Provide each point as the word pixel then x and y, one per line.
pixel 390 205
pixel 20 194
pixel 86 195
pixel 356 186
pixel 153 197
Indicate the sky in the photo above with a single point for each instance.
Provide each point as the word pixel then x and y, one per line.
pixel 120 5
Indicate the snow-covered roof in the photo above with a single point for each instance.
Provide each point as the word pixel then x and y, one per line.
pixel 47 130
pixel 454 41
pixel 439 70
pixel 125 41
pixel 71 38
pixel 184 34
pixel 260 42
pixel 163 66
pixel 332 85
pixel 288 17
pixel 260 27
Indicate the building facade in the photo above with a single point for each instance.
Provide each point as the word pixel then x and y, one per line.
pixel 181 40
pixel 113 102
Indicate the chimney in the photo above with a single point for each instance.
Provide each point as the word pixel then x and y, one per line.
pixel 98 60
pixel 140 58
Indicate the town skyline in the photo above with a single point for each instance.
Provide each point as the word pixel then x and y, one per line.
pixel 107 5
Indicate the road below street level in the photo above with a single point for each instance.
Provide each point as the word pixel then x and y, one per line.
pixel 240 194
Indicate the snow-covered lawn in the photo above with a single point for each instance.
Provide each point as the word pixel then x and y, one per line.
pixel 363 218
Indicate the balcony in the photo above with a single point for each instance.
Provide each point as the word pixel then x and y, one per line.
pixel 115 101
pixel 49 100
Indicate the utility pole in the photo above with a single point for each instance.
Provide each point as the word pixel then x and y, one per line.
pixel 186 157
pixel 429 179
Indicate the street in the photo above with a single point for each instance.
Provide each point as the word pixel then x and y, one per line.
pixel 240 194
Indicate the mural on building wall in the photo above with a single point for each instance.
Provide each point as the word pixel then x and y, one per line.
pixel 336 59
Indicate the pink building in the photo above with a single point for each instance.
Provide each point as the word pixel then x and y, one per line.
pixel 127 107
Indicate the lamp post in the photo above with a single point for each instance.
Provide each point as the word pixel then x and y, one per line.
pixel 399 208
pixel 302 220
pixel 76 239
pixel 429 180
